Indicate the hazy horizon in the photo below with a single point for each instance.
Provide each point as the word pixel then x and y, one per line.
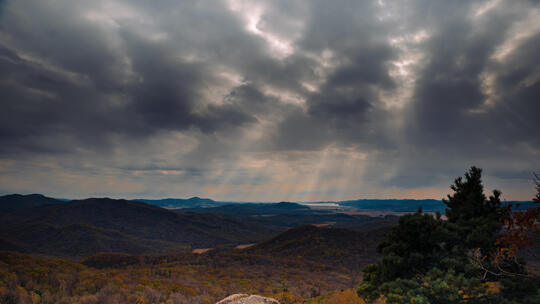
pixel 236 201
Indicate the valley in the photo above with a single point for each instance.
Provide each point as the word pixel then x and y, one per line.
pixel 98 250
pixel 102 250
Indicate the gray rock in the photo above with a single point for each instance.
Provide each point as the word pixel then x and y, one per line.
pixel 241 298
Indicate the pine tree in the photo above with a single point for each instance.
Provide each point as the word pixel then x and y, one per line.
pixel 413 247
pixel 476 219
pixel 429 260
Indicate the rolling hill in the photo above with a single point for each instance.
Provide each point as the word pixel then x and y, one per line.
pixel 411 205
pixel 329 246
pixel 88 226
pixel 258 209
pixel 396 205
pixel 13 202
pixel 335 220
pixel 177 203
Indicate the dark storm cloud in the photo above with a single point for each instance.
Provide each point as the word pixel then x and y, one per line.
pixel 217 92
pixel 346 104
pixel 76 85
pixel 467 102
pixel 449 88
pixel 516 110
pixel 135 87
pixel 470 104
pixel 169 92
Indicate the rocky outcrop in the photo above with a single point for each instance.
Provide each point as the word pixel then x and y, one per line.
pixel 247 299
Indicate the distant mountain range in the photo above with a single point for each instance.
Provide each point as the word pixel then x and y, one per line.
pixel 175 203
pixel 411 205
pixel 258 209
pixel 396 205
pixel 17 201
pixel 83 227
pixel 38 224
pixel 386 205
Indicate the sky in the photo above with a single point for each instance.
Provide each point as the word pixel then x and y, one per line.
pixel 268 100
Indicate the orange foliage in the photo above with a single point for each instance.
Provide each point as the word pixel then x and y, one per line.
pixel 172 280
pixel 347 296
pixel 522 228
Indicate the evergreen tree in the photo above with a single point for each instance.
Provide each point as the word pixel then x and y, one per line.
pixel 412 248
pixel 419 266
pixel 426 259
pixel 477 220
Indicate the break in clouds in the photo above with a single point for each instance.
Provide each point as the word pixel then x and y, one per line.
pixel 268 100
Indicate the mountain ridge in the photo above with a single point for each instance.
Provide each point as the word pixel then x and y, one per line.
pixel 140 227
pixel 15 201
pixel 325 245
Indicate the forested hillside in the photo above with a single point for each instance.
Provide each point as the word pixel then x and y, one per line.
pixel 94 225
pixel 329 246
pixel 13 202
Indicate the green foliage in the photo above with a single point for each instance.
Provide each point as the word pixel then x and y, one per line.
pixel 520 289
pixel 436 286
pixel 426 259
pixel 478 220
pixel 414 246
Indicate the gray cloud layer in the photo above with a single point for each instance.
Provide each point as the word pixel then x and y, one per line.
pixel 267 100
